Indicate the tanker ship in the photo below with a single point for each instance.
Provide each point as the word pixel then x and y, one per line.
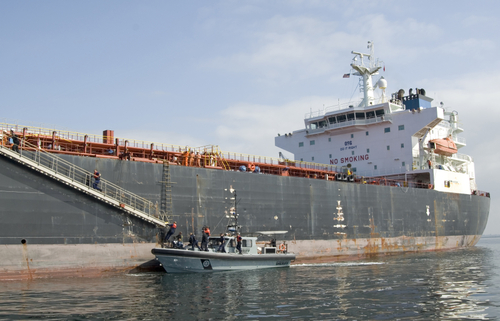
pixel 382 175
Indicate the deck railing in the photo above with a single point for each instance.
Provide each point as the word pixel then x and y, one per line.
pixel 55 166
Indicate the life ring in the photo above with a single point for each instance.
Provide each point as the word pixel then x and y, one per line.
pixel 251 166
pixel 430 186
pixel 282 247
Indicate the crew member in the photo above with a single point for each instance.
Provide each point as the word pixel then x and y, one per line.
pixel 204 240
pixel 178 238
pixel 238 243
pixel 173 226
pixel 97 180
pixel 197 159
pixel 193 242
pixel 15 141
pixel 221 246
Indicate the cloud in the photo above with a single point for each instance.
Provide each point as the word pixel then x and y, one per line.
pixel 283 49
pixel 470 47
pixel 251 128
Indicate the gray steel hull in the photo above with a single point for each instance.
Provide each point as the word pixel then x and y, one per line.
pixel 376 219
pixel 184 261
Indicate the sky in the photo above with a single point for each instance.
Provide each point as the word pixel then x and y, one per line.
pixel 237 73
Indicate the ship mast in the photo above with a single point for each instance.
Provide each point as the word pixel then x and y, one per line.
pixel 233 214
pixel 366 73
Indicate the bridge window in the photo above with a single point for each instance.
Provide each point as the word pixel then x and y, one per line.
pixel 332 120
pixel 341 118
pixel 322 123
pixel 380 112
pixel 350 116
pixel 370 114
pixel 314 125
pixel 360 115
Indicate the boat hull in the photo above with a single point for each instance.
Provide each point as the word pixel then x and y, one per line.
pixel 325 220
pixel 184 261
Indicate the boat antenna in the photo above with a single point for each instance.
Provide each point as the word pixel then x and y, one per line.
pixel 233 224
pixel 235 213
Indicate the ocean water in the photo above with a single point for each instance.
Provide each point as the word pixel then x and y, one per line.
pixel 453 285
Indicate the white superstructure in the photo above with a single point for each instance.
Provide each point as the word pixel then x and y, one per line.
pixel 399 138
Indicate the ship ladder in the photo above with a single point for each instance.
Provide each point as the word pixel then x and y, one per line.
pixel 223 161
pixel 80 179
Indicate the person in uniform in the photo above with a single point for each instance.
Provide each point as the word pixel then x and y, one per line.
pixel 238 243
pixel 178 238
pixel 15 141
pixel 204 239
pixel 97 180
pixel 221 246
pixel 193 242
pixel 173 226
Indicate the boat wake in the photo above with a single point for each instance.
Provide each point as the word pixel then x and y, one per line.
pixel 337 264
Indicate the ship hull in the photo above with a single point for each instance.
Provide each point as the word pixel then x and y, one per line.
pixel 44 222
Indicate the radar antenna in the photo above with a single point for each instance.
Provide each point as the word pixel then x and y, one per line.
pixel 366 72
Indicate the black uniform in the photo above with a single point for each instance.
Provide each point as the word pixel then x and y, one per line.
pixel 15 140
pixel 193 242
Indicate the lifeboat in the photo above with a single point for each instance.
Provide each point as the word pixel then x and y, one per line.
pixel 444 146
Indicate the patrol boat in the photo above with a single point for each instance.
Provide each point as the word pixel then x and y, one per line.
pixel 227 257
pixel 252 257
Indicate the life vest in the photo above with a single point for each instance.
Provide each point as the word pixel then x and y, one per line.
pixel 238 238
pixel 207 230
pixel 174 225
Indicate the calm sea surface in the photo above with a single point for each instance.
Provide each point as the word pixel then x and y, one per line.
pixel 456 285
